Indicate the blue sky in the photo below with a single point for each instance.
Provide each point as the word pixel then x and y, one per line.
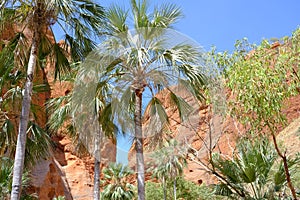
pixel 221 22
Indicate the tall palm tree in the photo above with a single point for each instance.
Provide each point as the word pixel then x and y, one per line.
pixel 138 62
pixel 79 20
pixel 38 141
pixel 11 82
pixel 61 109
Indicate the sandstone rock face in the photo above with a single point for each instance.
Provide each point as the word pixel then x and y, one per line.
pixel 187 133
pixel 76 172
pixel 215 131
pixel 48 180
pixel 64 174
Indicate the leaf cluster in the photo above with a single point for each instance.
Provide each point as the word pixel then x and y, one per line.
pixel 254 172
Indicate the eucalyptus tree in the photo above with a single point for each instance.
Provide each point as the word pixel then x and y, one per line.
pixel 137 62
pixel 262 78
pixel 79 20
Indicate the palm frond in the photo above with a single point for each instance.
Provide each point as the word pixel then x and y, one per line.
pixel 45 46
pixel 109 128
pixel 9 59
pixel 12 99
pixel 117 19
pixel 38 145
pixel 59 109
pixel 184 108
pixel 140 10
pixel 156 108
pixel 166 15
pixel 122 107
pixel 59 57
pixel 7 138
pixel 117 188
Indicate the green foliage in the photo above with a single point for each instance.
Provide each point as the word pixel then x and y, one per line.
pixel 6 169
pixel 185 190
pixel 169 160
pixel 117 187
pixel 38 143
pixel 5 177
pixel 154 191
pixel 254 172
pixel 59 198
pixel 261 78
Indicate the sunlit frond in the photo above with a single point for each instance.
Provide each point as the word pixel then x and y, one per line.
pixel 7 137
pixel 140 16
pixel 59 109
pixel 117 18
pixel 166 15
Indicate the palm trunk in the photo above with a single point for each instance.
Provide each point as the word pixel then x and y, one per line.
pixel 139 145
pixel 164 188
pixel 175 189
pixel 97 170
pixel 21 141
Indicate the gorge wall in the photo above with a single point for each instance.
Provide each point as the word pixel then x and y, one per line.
pixel 64 173
pixel 219 132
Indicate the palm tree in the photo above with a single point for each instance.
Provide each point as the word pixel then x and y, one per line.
pixel 39 142
pixel 169 162
pixel 139 62
pixel 253 172
pixel 61 112
pixel 77 19
pixel 61 109
pixel 159 170
pixel 116 175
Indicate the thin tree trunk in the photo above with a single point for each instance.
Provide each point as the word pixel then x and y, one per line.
pixel 164 188
pixel 175 189
pixel 139 145
pixel 285 164
pixel 21 141
pixel 286 168
pixel 97 170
